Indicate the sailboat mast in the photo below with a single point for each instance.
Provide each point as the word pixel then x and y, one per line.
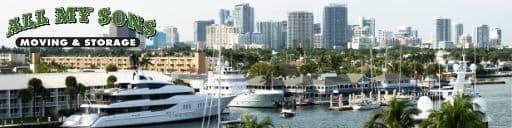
pixel 219 87
pixel 400 70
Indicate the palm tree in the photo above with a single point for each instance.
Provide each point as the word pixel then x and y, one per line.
pixel 71 89
pixel 252 122
pixel 456 114
pixel 398 115
pixel 35 89
pixel 144 62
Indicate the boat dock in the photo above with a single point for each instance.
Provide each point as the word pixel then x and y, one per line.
pixel 336 103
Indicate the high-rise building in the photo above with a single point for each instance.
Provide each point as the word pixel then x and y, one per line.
pixel 481 36
pixel 466 41
pixel 406 31
pixel 317 28
pixel 384 38
pixel 159 40
pixel 124 31
pixel 273 34
pixel 248 40
pixel 358 31
pixel 300 30
pixel 349 32
pixel 224 16
pixel 442 29
pixel 335 26
pixel 200 32
pixel 221 36
pixel 172 36
pixel 368 23
pixel 317 40
pixel 362 42
pixel 142 41
pixel 458 31
pixel 243 18
pixel 495 37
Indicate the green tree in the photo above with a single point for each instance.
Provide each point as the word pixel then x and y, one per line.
pixel 432 69
pixel 456 114
pixel 144 62
pixel 263 69
pixel 111 68
pixel 43 68
pixel 259 69
pixel 110 81
pixel 252 122
pixel 35 89
pixel 71 89
pixel 397 115
pixel 308 67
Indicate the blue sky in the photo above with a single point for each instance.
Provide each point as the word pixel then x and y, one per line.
pixel 389 14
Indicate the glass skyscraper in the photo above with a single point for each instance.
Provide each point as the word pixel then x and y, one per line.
pixel 243 18
pixel 200 31
pixel 481 36
pixel 459 31
pixel 335 26
pixel 225 17
pixel 273 34
pixel 443 29
pixel 300 30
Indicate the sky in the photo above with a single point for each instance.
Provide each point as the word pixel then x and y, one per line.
pixel 389 14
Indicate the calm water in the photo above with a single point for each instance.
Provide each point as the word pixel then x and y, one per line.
pixel 499 101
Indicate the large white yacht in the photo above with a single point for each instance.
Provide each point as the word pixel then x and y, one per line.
pixel 144 101
pixel 460 85
pixel 229 82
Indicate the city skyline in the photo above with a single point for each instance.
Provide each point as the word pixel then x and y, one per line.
pixel 419 16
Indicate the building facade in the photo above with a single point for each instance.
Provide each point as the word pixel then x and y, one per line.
pixel 12 105
pixel 220 35
pixel 159 40
pixel 466 41
pixel 362 42
pixel 123 31
pixel 300 30
pixel 172 36
pixel 481 36
pixel 243 18
pixel 495 37
pixel 200 32
pixel 335 26
pixel 245 40
pixel 273 34
pixel 6 58
pixel 193 64
pixel 368 22
pixel 225 17
pixel 317 41
pixel 458 32
pixel 442 29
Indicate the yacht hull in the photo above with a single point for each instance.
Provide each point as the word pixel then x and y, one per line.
pixel 186 110
pixel 366 107
pixel 262 100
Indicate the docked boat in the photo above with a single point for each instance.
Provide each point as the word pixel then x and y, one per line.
pixel 144 101
pixel 229 82
pixel 461 85
pixel 286 113
pixel 365 103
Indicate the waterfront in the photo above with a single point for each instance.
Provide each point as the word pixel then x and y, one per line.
pixel 499 102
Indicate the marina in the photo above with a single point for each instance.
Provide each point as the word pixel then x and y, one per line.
pixel 497 96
